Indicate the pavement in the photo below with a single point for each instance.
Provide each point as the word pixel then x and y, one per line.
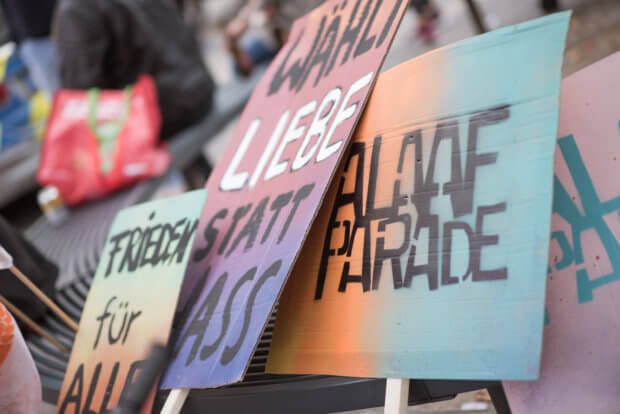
pixel 463 403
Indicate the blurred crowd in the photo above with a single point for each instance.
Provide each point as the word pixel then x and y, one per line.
pixel 82 44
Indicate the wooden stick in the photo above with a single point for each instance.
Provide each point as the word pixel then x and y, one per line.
pixel 43 297
pixel 396 395
pixel 32 324
pixel 175 401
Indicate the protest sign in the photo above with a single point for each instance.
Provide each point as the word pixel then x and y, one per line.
pixel 132 300
pixel 580 367
pixel 428 257
pixel 270 182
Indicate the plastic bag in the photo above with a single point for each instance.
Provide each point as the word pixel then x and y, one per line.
pixel 99 141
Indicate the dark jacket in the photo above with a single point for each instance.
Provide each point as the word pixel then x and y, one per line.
pixel 109 43
pixel 28 19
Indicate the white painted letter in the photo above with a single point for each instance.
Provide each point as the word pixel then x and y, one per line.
pixel 293 133
pixel 271 145
pixel 317 127
pixel 233 180
pixel 342 115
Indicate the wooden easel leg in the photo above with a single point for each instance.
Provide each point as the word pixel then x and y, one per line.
pixel 498 397
pixel 175 401
pixel 396 395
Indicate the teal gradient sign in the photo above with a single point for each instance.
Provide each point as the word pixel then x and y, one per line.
pixel 428 258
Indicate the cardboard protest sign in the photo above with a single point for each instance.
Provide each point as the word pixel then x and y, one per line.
pixel 428 257
pixel 132 301
pixel 270 182
pixel 580 368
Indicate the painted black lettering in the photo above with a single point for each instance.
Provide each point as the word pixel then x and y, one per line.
pixel 129 258
pixel 132 375
pixel 115 249
pixel 373 212
pixel 393 255
pixel 350 34
pixel 208 350
pixel 91 390
pixel 449 130
pixel 323 54
pixel 132 317
pixel 154 242
pixel 210 235
pixel 74 393
pixel 424 188
pixel 390 21
pixel 346 239
pixel 475 160
pixel 111 338
pixel 168 234
pixel 231 351
pixel 366 42
pixel 105 408
pixel 250 230
pixel 199 323
pixel 446 252
pixel 296 70
pixel 101 319
pixel 431 267
pixel 342 199
pixel 239 214
pixel 276 207
pixel 183 310
pixel 173 235
pixel 300 196
pixel 408 139
pixel 184 241
pixel 480 240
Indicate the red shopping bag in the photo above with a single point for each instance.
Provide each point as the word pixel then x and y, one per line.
pixel 99 141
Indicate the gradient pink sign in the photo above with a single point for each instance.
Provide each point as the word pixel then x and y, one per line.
pixel 580 370
pixel 271 180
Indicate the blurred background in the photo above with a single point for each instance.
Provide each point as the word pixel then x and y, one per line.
pixel 227 32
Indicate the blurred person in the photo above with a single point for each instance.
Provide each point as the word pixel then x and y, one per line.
pixel 276 18
pixel 550 6
pixel 29 23
pixel 109 43
pixel 428 13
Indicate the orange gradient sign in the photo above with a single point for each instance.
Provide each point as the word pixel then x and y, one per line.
pixel 435 230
